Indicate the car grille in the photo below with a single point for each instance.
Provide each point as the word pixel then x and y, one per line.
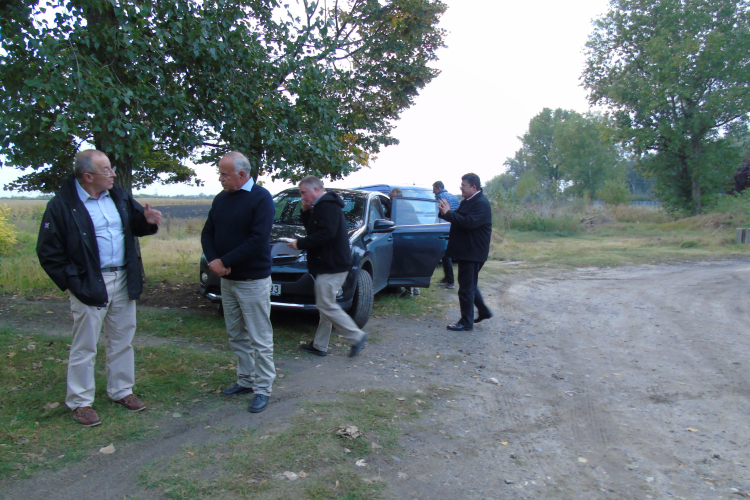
pixel 286 277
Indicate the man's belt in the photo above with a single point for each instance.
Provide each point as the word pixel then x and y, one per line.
pixel 113 269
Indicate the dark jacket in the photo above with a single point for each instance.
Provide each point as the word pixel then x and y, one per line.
pixel 238 231
pixel 471 228
pixel 68 251
pixel 327 240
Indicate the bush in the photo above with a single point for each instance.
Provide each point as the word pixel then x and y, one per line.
pixel 614 192
pixel 738 205
pixel 531 221
pixel 7 230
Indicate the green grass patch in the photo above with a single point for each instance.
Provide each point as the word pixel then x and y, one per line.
pixel 37 431
pixel 253 466
pixel 623 244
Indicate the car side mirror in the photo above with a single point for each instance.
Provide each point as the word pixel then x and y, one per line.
pixel 383 226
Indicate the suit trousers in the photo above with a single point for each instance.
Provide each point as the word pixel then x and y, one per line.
pixel 331 314
pixel 117 319
pixel 468 292
pixel 247 314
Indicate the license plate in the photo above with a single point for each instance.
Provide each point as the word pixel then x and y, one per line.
pixel 275 289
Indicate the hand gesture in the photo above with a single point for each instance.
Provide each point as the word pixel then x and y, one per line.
pixel 443 206
pixel 152 216
pixel 292 244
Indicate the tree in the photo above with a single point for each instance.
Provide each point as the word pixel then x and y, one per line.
pixel 585 153
pixel 675 73
pixel 153 84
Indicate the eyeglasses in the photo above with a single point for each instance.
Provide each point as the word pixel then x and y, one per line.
pixel 108 172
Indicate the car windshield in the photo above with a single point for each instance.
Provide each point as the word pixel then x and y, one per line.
pixel 288 205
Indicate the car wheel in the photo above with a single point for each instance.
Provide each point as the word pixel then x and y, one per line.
pixel 363 299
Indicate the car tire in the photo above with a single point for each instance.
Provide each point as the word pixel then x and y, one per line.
pixel 363 299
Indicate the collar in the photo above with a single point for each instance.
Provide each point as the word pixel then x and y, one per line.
pixel 83 195
pixel 248 186
pixel 318 198
pixel 473 195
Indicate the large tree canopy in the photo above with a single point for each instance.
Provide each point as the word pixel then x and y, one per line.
pixel 152 84
pixel 676 74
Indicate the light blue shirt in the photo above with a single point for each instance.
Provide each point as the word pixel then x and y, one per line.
pixel 107 225
pixel 248 186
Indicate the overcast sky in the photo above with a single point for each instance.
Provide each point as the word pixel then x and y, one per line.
pixel 505 61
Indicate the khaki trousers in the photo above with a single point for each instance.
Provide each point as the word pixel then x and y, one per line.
pixel 331 314
pixel 117 319
pixel 247 314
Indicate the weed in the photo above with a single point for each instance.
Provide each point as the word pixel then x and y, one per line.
pixel 38 431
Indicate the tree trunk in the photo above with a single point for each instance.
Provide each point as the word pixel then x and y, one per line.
pixel 696 197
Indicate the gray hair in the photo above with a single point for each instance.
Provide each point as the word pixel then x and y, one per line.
pixel 85 162
pixel 240 162
pixel 312 182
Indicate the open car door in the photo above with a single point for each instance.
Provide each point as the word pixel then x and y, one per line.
pixel 419 241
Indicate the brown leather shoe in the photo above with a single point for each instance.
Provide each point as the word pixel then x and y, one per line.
pixel 132 403
pixel 86 416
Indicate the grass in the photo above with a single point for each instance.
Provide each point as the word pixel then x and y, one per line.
pixel 37 431
pixel 253 466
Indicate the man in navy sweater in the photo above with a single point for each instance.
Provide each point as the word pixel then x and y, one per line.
pixel 237 243
pixel 469 244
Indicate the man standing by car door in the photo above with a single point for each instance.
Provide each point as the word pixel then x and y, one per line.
pixel 438 189
pixel 87 245
pixel 329 260
pixel 237 243
pixel 469 244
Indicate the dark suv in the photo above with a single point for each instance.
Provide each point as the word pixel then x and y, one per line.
pixel 403 251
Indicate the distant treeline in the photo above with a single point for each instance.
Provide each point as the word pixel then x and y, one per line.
pixel 139 195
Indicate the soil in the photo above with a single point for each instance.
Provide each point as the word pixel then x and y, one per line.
pixel 620 383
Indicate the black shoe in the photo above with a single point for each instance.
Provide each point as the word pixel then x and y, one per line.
pixel 236 389
pixel 459 327
pixel 356 348
pixel 312 350
pixel 258 404
pixel 483 317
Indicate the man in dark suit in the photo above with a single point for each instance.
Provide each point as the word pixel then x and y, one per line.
pixel 469 244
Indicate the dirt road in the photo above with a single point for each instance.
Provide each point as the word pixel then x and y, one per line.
pixel 627 383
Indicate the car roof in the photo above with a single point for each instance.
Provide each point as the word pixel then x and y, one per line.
pixel 386 188
pixel 339 191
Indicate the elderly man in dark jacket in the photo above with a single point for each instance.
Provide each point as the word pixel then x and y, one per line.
pixel 329 258
pixel 469 244
pixel 86 245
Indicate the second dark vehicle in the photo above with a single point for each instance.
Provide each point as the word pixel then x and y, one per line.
pixel 403 251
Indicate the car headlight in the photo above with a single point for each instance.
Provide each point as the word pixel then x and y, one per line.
pixel 204 278
pixel 302 257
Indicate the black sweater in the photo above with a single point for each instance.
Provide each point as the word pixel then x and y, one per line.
pixel 327 240
pixel 238 231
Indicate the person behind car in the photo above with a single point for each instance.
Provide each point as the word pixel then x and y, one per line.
pixel 469 244
pixel 236 240
pixel 438 189
pixel 329 259
pixel 87 245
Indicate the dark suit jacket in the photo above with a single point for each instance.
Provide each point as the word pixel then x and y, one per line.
pixel 471 228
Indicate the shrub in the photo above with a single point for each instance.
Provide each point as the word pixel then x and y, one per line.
pixel 531 221
pixel 7 230
pixel 738 205
pixel 614 192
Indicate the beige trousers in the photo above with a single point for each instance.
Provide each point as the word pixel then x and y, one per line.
pixel 331 314
pixel 117 319
pixel 247 314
